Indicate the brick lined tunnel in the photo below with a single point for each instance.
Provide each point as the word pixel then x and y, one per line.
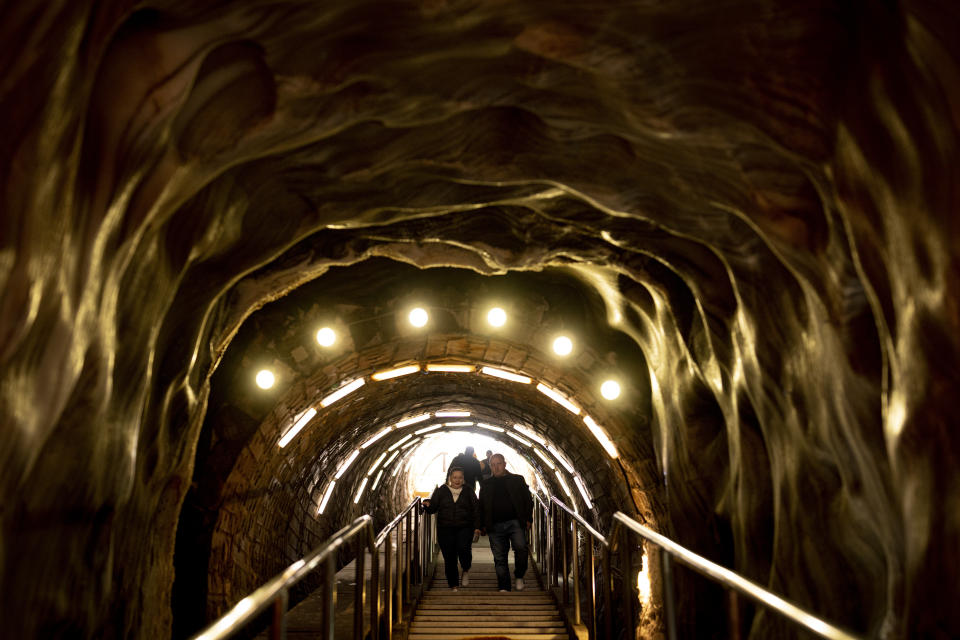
pixel 745 209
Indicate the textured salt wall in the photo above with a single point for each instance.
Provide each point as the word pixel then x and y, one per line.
pixel 772 185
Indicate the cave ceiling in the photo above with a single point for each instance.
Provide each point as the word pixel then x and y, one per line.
pixel 751 205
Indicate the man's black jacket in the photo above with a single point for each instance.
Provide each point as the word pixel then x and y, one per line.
pixel 465 512
pixel 519 496
pixel 471 469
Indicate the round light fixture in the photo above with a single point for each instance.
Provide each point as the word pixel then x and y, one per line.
pixel 418 317
pixel 562 346
pixel 326 337
pixel 497 317
pixel 610 389
pixel 265 378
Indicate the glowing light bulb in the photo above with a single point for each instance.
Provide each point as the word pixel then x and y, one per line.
pixel 610 389
pixel 265 378
pixel 418 317
pixel 326 337
pixel 497 317
pixel 562 346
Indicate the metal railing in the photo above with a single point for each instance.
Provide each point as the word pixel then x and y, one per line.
pixel 557 540
pixel 405 564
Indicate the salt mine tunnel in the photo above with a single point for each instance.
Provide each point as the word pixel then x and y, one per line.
pixel 744 212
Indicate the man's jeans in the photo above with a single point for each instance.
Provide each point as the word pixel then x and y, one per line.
pixel 502 535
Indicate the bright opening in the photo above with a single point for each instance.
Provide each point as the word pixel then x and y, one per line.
pixel 326 337
pixel 610 389
pixel 497 317
pixel 265 378
pixel 562 346
pixel 418 317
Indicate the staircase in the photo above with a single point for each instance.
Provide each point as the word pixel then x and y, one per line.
pixel 479 610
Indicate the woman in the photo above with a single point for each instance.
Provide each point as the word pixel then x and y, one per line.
pixel 458 524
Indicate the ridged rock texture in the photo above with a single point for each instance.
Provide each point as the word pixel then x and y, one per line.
pixel 765 194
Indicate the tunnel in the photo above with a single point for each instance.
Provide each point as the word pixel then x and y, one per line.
pixel 744 213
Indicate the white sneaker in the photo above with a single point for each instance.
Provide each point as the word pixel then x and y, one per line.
pixel 454 589
pixel 504 591
pixel 519 585
pixel 465 579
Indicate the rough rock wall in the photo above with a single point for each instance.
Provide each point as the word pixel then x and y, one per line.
pixel 774 183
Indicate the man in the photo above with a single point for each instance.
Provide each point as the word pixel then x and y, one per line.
pixel 471 468
pixel 485 470
pixel 507 514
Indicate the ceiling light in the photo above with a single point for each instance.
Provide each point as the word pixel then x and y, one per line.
pixel 518 438
pixel 452 414
pixel 343 468
pixel 376 463
pixel 559 456
pixel 342 391
pixel 418 317
pixel 583 491
pixel 451 368
pixel 497 317
pixel 265 378
pixel 376 481
pixel 396 373
pixel 363 485
pixel 559 398
pixel 544 457
pixel 399 442
pixel 601 437
pixel 299 424
pixel 563 484
pixel 379 435
pixel 530 433
pixel 390 459
pixel 562 346
pixel 506 375
pixel 326 496
pixel 483 425
pixel 326 337
pixel 610 389
pixel 413 420
pixel 410 444
pixel 466 423
pixel 429 429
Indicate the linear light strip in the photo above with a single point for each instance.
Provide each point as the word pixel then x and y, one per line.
pixel 506 375
pixel 530 433
pixel 376 437
pixel 544 457
pixel 346 465
pixel 391 458
pixel 452 414
pixel 326 496
pixel 376 481
pixel 559 398
pixel 396 373
pixel 518 438
pixel 376 463
pixel 583 491
pixel 399 442
pixel 301 422
pixel 490 427
pixel 451 368
pixel 601 437
pixel 410 444
pixel 559 456
pixel 465 423
pixel 563 483
pixel 363 485
pixel 342 391
pixel 413 420
pixel 428 429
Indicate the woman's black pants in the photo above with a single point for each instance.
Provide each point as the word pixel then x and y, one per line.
pixel 455 543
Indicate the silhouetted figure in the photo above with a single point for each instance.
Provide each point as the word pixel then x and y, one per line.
pixel 471 468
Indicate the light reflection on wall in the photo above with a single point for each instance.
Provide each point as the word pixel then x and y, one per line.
pixel 431 459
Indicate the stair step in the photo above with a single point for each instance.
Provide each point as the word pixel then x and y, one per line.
pixel 459 616
pixel 490 627
pixel 458 634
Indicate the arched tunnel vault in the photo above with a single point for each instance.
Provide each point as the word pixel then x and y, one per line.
pixel 759 196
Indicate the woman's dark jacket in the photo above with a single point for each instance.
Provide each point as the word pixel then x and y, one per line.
pixel 465 512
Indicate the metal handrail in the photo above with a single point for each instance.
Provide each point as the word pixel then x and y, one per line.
pixel 622 522
pixel 274 594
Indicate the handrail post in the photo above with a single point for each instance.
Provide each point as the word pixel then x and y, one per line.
pixel 278 624
pixel 407 555
pixel 358 586
pixel 575 557
pixel 387 585
pixel 593 590
pixel 733 617
pixel 606 585
pixel 626 571
pixel 398 584
pixel 329 597
pixel 566 563
pixel 666 570
pixel 554 568
pixel 417 540
pixel 374 590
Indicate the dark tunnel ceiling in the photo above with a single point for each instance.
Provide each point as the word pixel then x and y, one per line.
pixel 766 189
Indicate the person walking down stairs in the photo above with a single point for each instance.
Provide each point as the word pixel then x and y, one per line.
pixel 458 525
